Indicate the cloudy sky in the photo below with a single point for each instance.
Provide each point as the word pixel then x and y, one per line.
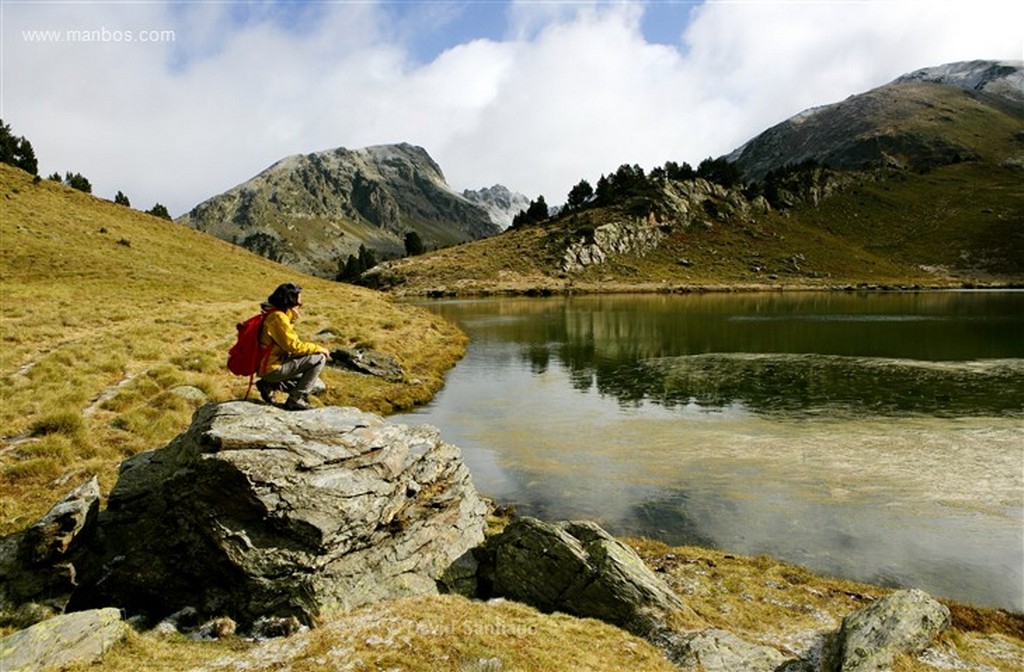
pixel 174 102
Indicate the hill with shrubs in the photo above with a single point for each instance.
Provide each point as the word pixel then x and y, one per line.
pixel 916 183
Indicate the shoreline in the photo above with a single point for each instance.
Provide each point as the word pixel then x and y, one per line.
pixel 506 291
pixel 473 288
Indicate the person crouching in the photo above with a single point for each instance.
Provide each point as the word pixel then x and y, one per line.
pixel 293 365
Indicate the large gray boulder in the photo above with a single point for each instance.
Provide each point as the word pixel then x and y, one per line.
pixel 577 568
pixel 257 512
pixel 37 565
pixel 82 637
pixel 906 621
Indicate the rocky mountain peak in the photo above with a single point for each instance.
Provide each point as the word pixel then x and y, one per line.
pixel 311 211
pixel 1002 78
pixel 501 203
pixel 907 123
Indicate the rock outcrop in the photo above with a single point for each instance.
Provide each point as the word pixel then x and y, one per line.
pixel 269 519
pixel 579 569
pixel 81 637
pixel 37 565
pixel 696 202
pixel 259 512
pixel 904 622
pixel 311 211
pixel 612 239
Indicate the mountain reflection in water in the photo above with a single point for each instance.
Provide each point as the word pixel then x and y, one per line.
pixel 877 437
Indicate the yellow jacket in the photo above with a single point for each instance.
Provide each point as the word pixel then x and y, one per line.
pixel 277 329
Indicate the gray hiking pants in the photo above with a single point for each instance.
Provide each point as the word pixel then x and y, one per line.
pixel 304 370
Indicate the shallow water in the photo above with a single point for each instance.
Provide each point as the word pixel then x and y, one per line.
pixel 878 437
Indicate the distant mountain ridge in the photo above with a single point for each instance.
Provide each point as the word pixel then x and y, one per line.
pixel 913 183
pixel 310 211
pixel 501 203
pixel 908 123
pixel 1000 78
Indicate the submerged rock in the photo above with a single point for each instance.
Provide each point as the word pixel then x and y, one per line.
pixel 259 512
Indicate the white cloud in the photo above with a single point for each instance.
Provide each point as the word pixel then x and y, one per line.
pixel 574 90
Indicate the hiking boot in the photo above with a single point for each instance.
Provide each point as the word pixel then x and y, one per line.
pixel 297 403
pixel 266 389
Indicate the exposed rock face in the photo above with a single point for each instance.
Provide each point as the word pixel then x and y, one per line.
pixel 259 512
pixel 615 238
pixel 501 204
pixel 900 125
pixel 82 637
pixel 310 211
pixel 37 566
pixel 684 204
pixel 577 568
pixel 904 622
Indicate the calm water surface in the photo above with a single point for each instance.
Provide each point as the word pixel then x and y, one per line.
pixel 874 436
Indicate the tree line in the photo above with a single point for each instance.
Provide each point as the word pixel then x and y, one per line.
pixel 629 186
pixel 17 151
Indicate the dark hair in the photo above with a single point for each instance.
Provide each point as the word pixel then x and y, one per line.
pixel 285 296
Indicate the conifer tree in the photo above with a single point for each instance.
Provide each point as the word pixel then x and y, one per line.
pixel 719 171
pixel 17 151
pixel 121 199
pixel 78 181
pixel 159 210
pixel 414 244
pixel 579 196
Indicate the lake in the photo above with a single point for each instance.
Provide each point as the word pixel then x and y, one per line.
pixel 874 436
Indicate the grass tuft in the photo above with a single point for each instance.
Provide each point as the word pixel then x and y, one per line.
pixel 68 423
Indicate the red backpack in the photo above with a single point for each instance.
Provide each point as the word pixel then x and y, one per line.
pixel 246 356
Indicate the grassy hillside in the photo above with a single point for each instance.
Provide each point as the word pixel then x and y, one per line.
pixel 116 326
pixel 769 250
pixel 966 220
pixel 954 225
pixel 939 202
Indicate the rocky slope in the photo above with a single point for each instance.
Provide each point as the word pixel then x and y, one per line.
pixel 913 183
pixel 312 211
pixel 927 118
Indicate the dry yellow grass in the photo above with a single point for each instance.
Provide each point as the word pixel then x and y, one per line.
pixel 114 322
